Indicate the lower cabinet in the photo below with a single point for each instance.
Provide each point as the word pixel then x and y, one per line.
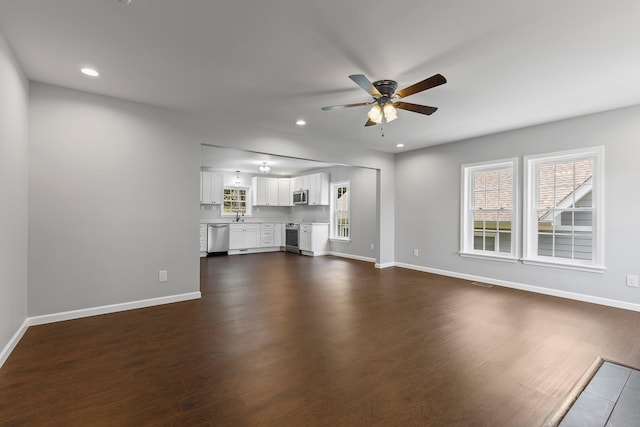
pixel 244 236
pixel 203 240
pixel 314 239
pixel 267 235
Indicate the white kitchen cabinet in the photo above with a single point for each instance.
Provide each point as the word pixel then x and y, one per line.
pixel 319 189
pixel 259 184
pixel 314 239
pixel 210 188
pixel 271 191
pixel 267 235
pixel 244 236
pixel 285 196
pixel 300 183
pixel 203 240
pixel 278 235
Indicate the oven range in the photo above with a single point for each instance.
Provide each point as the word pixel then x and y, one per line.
pixel 292 237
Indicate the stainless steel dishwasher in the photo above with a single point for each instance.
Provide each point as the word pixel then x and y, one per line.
pixel 217 238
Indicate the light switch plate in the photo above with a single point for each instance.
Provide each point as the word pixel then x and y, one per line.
pixel 162 276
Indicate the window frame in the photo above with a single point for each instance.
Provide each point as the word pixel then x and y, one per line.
pixel 530 218
pixel 467 218
pixel 248 205
pixel 333 235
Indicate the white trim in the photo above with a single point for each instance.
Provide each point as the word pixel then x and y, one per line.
pixel 578 267
pixel 529 288
pixel 13 342
pixel 529 236
pixel 112 308
pixel 487 256
pixel 356 257
pixel 254 250
pixel 466 197
pixel 316 253
pixel 386 265
pixel 332 209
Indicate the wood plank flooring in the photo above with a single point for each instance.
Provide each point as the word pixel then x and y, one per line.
pixel 284 340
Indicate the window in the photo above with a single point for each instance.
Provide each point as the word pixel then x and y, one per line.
pixel 340 218
pixel 564 209
pixel 235 202
pixel 489 210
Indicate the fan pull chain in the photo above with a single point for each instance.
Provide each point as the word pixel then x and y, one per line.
pixel 381 132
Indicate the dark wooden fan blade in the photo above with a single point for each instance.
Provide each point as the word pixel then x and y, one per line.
pixel 422 109
pixel 370 123
pixel 365 84
pixel 432 81
pixel 337 107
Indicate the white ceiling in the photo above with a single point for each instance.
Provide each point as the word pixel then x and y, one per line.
pixel 252 65
pixel 230 160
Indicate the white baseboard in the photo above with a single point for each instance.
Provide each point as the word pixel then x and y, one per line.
pixel 252 251
pixel 530 288
pixel 316 253
pixel 113 308
pixel 356 257
pixel 13 342
pixel 386 265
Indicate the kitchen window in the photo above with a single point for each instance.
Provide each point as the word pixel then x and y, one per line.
pixel 489 210
pixel 235 202
pixel 564 209
pixel 340 211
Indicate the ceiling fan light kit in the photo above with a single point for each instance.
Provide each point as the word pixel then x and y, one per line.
pixel 385 98
pixel 264 168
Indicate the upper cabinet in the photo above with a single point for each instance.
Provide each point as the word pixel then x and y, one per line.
pixel 318 188
pixel 300 183
pixel 271 191
pixel 279 191
pixel 285 196
pixel 210 188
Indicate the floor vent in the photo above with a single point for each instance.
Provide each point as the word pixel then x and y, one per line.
pixel 482 285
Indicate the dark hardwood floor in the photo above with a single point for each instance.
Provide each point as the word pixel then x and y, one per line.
pixel 285 340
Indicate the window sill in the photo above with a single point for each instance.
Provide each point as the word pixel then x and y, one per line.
pixel 566 266
pixel 339 239
pixel 500 258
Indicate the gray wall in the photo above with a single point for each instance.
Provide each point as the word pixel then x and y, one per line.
pixel 113 199
pixel 14 179
pixel 363 211
pixel 428 202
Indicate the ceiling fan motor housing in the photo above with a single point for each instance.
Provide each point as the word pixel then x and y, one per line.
pixel 387 88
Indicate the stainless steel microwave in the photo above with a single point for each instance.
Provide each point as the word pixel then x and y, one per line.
pixel 301 197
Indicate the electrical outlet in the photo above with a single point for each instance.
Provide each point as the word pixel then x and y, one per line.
pixel 415 252
pixel 162 276
pixel 372 246
pixel 632 280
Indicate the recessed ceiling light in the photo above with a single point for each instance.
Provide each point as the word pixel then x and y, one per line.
pixel 399 145
pixel 91 72
pixel 125 1
pixel 301 122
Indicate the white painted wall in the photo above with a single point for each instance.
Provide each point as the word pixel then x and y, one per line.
pixel 14 180
pixel 428 202
pixel 114 191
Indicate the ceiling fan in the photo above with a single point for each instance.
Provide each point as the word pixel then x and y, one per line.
pixel 386 98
